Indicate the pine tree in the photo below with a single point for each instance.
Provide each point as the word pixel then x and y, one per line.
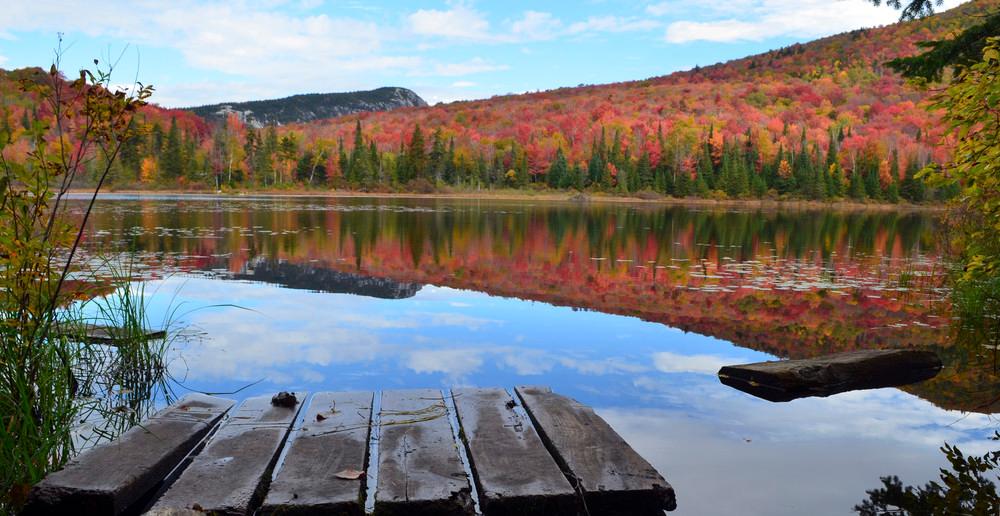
pixel 579 178
pixel 375 175
pixel 358 165
pixel 416 155
pixel 644 171
pixel 450 169
pixel 172 159
pixel 857 186
pixel 683 186
pixel 343 162
pixel 437 156
pixel 558 174
pixel 913 188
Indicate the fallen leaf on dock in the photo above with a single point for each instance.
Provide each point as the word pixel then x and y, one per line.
pixel 349 474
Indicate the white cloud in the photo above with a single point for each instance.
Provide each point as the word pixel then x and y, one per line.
pixel 718 31
pixel 763 19
pixel 464 23
pixel 2 60
pixel 661 8
pixel 459 22
pixel 613 24
pixel 535 25
pixel 461 84
pixel 472 66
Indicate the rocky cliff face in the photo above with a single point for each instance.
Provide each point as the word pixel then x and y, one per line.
pixel 314 106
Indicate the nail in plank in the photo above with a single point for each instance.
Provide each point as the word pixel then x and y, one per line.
pixel 230 476
pixel 110 478
pixel 420 471
pixel 612 476
pixel 323 472
pixel 514 472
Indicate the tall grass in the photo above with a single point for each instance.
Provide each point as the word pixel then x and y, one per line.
pixel 84 124
pixel 76 393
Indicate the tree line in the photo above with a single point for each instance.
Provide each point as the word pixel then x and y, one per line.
pixel 742 166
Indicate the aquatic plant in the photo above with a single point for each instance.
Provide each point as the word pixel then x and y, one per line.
pixel 40 382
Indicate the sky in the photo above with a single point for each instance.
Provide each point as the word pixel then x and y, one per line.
pixel 202 52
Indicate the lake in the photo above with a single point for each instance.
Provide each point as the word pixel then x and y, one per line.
pixel 630 309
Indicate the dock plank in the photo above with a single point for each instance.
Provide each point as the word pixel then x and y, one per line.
pixel 614 478
pixel 231 475
pixel 787 380
pixel 515 474
pixel 315 477
pixel 420 470
pixel 110 478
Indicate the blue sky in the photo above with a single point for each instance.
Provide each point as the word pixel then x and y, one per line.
pixel 204 52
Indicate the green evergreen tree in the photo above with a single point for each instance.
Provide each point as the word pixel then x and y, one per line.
pixel 172 159
pixel 437 157
pixel 558 175
pixel 644 172
pixel 416 155
pixel 913 188
pixel 450 169
pixel 343 162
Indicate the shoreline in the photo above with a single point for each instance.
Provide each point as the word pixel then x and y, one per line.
pixel 541 196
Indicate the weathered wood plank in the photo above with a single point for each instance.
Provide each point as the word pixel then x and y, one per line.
pixel 614 478
pixel 515 475
pixel 101 334
pixel 230 476
pixel 110 478
pixel 323 472
pixel 420 471
pixel 787 380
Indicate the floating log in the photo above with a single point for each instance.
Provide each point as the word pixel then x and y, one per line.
pixel 787 380
pixel 324 470
pixel 231 475
pixel 112 478
pixel 612 477
pixel 101 334
pixel 514 474
pixel 420 470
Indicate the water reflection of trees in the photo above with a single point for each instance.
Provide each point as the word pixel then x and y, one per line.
pixel 791 283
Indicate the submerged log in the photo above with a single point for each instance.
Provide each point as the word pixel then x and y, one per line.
pixel 101 334
pixel 787 380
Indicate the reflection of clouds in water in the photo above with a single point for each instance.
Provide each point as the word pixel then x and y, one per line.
pixel 528 362
pixel 667 362
pixel 248 350
pixel 611 365
pixel 716 473
pixel 878 414
pixel 456 363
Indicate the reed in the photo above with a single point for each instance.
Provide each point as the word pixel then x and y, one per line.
pixel 41 371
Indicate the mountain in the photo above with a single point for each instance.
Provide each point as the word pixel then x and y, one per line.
pixel 318 278
pixel 313 106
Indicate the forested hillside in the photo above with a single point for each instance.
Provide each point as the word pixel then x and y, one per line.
pixel 822 120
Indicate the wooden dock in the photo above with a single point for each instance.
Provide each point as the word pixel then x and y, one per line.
pixel 417 452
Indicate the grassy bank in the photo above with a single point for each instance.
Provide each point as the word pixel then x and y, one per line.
pixel 555 196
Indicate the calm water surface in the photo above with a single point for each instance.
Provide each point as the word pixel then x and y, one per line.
pixel 630 309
